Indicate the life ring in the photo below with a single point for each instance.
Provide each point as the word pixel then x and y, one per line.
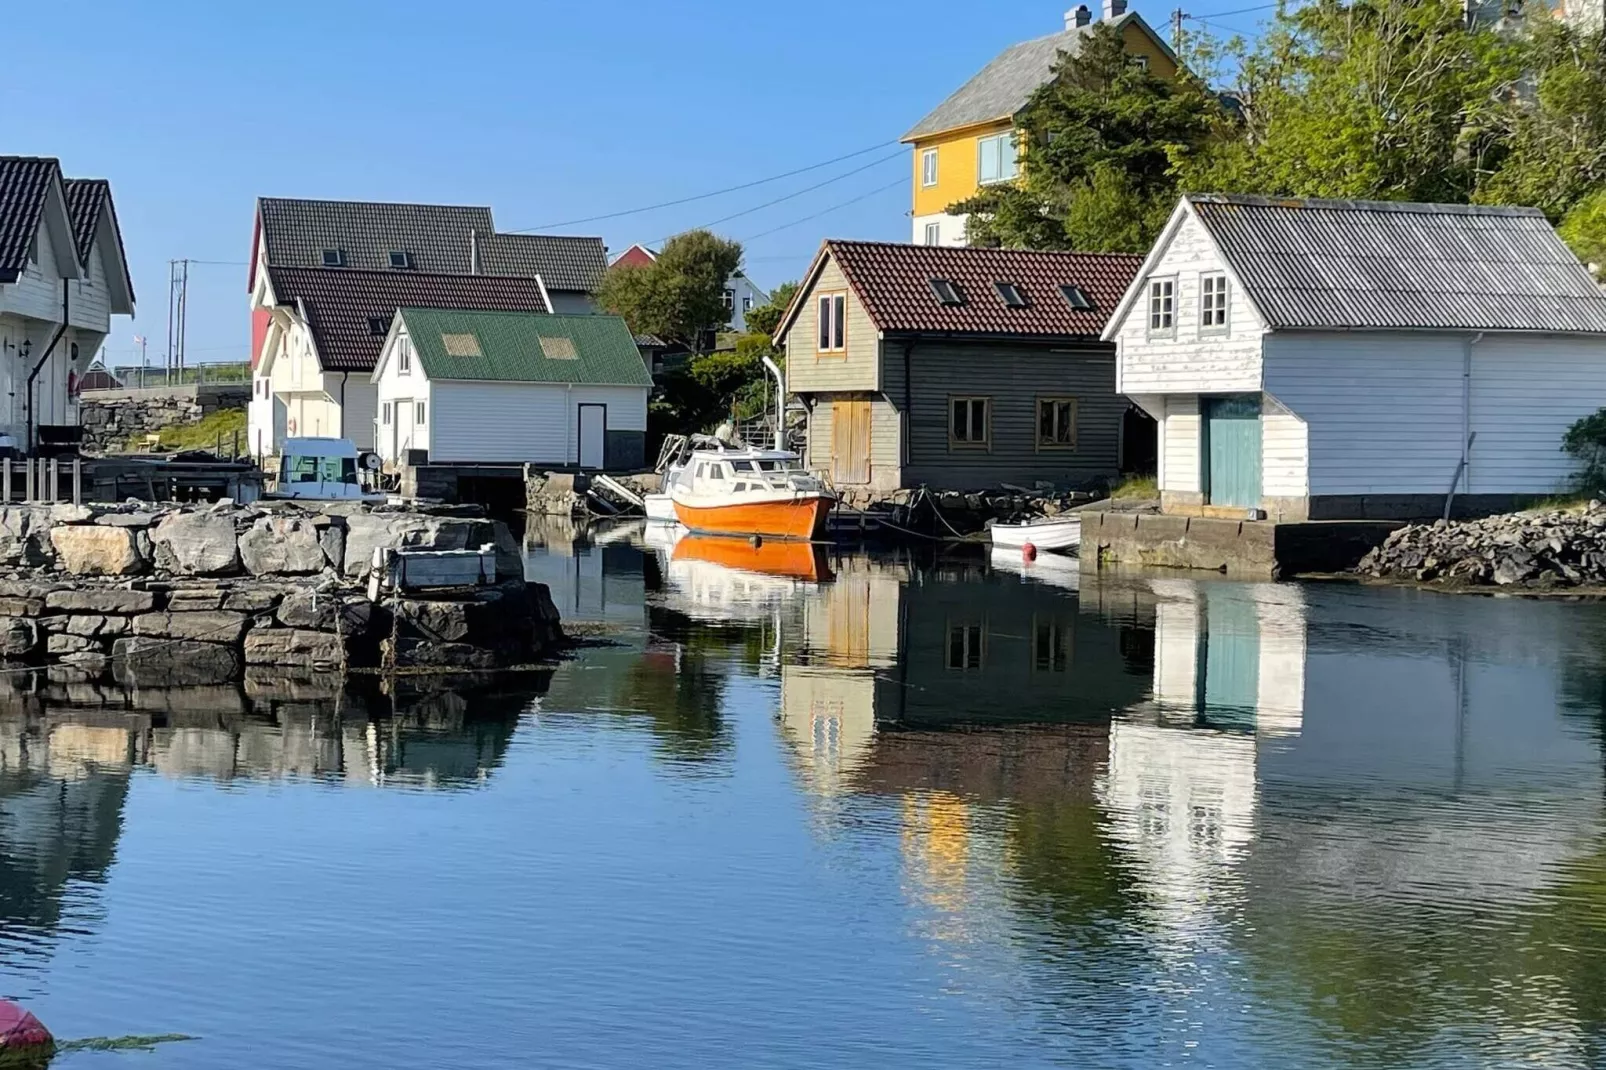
pixel 290 425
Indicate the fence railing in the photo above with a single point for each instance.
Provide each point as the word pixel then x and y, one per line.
pixel 138 378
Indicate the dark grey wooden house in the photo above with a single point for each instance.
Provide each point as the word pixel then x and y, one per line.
pixel 957 368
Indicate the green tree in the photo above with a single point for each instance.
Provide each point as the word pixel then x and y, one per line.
pixel 1553 124
pixel 1103 145
pixel 767 317
pixel 681 294
pixel 1379 99
pixel 1583 228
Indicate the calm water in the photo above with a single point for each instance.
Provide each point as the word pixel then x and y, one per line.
pixel 896 810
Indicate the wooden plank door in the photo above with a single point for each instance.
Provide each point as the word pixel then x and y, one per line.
pixel 1232 450
pixel 850 442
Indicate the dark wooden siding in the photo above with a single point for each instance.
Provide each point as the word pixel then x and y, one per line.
pixel 1013 376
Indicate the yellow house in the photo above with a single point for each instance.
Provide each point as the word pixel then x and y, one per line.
pixel 968 141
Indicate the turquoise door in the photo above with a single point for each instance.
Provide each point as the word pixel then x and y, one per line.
pixel 1232 450
pixel 1228 684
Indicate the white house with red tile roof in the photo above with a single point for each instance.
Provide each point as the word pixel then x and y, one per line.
pixel 742 295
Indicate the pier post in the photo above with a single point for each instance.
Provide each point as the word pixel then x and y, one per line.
pixel 28 489
pixel 78 481
pixel 5 479
pixel 55 480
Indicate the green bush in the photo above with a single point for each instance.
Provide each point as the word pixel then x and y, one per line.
pixel 1585 442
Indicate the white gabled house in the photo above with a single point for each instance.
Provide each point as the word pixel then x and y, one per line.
pixel 63 276
pixel 1347 359
pixel 475 387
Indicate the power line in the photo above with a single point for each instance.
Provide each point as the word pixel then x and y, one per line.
pixel 794 196
pixel 703 196
pixel 825 211
pixel 1224 14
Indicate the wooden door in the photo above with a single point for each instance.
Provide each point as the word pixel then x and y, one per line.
pixel 850 442
pixel 1232 450
pixel 593 436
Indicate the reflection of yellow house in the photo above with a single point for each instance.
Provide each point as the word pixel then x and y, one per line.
pixel 849 632
pixel 968 141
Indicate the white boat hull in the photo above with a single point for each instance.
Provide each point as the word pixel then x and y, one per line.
pixel 1055 535
pixel 660 507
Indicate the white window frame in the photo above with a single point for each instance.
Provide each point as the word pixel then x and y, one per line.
pixel 404 357
pixel 1161 318
pixel 420 412
pixel 1008 162
pixel 385 411
pixel 729 297
pixel 928 168
pixel 831 333
pixel 934 233
pixel 1215 303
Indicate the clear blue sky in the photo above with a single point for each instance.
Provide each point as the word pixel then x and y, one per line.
pixel 544 111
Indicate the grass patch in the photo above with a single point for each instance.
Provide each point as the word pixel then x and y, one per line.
pixel 130 1043
pixel 205 434
pixel 1137 487
pixel 1561 503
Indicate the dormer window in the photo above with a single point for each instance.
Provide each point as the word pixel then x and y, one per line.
pixel 1010 294
pixel 334 258
pixel 378 326
pixel 33 249
pixel 946 292
pixel 1077 298
pixel 401 260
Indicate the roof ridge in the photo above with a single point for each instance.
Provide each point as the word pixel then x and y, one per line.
pixel 392 273
pixel 968 250
pixel 381 204
pixel 1256 200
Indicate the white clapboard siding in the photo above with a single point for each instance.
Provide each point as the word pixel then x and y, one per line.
pixel 1383 411
pixel 1526 392
pixel 1179 459
pixel 1285 451
pixel 627 405
pixel 360 408
pixel 499 422
pixel 90 305
pixel 1189 361
pixel 37 292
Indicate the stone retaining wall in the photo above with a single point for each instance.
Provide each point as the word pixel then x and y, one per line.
pixel 111 417
pixel 271 584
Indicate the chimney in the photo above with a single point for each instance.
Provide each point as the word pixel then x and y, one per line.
pixel 474 248
pixel 1114 9
pixel 1078 16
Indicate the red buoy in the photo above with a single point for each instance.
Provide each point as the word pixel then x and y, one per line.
pixel 20 1030
pixel 1029 552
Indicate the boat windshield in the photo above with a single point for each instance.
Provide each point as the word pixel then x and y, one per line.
pixel 308 469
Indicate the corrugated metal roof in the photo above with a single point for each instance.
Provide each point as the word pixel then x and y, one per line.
pixel 340 304
pixel 525 348
pixel 1374 265
pixel 894 283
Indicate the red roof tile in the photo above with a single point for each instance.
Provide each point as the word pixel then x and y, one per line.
pixel 340 302
pixel 894 283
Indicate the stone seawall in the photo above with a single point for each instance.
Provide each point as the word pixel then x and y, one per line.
pixel 111 417
pixel 271 584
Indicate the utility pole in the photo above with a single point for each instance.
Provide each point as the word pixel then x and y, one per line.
pixel 1176 30
pixel 178 292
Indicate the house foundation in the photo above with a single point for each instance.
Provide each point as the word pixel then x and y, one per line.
pixel 1246 549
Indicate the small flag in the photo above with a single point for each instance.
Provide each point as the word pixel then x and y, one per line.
pixel 139 339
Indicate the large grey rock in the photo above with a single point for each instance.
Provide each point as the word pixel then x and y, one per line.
pixel 326 612
pixel 147 662
pixel 426 653
pixel 94 626
pixel 139 519
pixel 282 545
pixel 72 644
pixel 19 637
pixel 252 599
pixel 90 550
pixel 211 626
pixel 196 544
pixel 68 513
pixel 294 647
pixel 101 600
pixel 366 531
pixel 332 537
pixel 21 606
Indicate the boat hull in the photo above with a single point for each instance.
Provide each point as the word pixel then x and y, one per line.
pixel 659 507
pixel 791 518
pixel 1060 534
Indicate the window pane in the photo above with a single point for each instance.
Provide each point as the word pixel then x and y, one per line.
pixel 839 321
pixel 825 323
pixel 990 160
pixel 1066 428
pixel 1006 155
pixel 1045 421
pixel 961 420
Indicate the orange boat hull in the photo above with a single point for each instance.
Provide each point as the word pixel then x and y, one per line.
pixel 789 558
pixel 801 518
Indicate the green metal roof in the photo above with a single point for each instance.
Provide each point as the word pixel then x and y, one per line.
pixel 525 347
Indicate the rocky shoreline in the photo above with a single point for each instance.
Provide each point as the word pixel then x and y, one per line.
pixel 1552 550
pixel 215 589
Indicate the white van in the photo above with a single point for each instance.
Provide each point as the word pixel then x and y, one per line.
pixel 322 469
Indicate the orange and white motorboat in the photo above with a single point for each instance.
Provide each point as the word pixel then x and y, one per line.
pixel 750 492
